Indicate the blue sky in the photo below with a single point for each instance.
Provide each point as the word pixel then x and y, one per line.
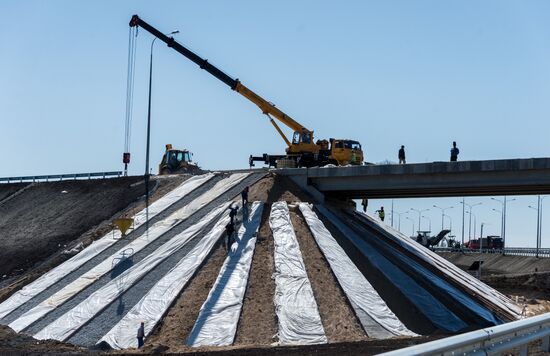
pixel 418 73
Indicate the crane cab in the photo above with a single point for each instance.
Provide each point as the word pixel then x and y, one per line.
pixel 177 161
pixel 344 152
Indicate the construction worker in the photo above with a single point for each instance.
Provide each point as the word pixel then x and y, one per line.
pixel 244 196
pixel 454 152
pixel 141 334
pixel 365 203
pixel 229 230
pixel 381 213
pixel 233 209
pixel 401 155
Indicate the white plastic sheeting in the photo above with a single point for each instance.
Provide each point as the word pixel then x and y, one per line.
pixel 154 232
pixel 54 275
pixel 219 315
pixel 154 304
pixel 435 310
pixel 373 313
pixel 66 325
pixel 298 316
pixel 464 279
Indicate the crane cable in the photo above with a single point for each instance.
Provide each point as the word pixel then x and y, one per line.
pixel 132 45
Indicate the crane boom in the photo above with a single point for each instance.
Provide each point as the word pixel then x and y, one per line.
pixel 264 105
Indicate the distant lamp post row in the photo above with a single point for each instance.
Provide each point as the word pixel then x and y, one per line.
pixel 539 222
pixel 443 213
pixel 503 218
pixel 470 220
pixel 419 216
pixel 412 221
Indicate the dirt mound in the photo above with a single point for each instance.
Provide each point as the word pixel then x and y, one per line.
pixel 12 342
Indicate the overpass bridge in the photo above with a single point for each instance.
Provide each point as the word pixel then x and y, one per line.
pixel 437 179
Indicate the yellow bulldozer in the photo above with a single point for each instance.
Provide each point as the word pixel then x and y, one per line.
pixel 177 162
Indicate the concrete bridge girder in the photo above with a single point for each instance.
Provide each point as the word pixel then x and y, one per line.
pixel 437 179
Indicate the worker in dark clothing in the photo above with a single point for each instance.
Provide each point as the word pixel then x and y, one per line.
pixel 233 209
pixel 141 334
pixel 229 230
pixel 365 203
pixel 401 155
pixel 454 152
pixel 381 213
pixel 244 195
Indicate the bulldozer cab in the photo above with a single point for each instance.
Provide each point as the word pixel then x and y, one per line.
pixel 346 152
pixel 176 161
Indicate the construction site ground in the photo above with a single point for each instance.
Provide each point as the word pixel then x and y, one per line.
pixel 39 222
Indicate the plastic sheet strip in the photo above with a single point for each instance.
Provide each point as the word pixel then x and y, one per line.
pixel 467 281
pixel 297 313
pixel 31 290
pixel 219 315
pixel 155 303
pixel 433 309
pixel 66 325
pixel 110 263
pixel 377 319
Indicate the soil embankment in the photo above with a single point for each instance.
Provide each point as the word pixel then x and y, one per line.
pixel 40 221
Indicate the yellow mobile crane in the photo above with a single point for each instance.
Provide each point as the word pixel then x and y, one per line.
pixel 302 150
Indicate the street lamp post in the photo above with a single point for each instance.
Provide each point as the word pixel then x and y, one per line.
pixel 147 173
pixel 429 222
pixel 442 213
pixel 475 222
pixel 499 211
pixel 399 219
pixel 470 220
pixel 463 208
pixel 419 215
pixel 537 209
pixel 540 227
pixel 450 222
pixel 412 221
pixel 503 219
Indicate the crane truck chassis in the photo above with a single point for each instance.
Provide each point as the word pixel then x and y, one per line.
pixel 302 151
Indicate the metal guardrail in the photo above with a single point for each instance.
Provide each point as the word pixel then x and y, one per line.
pixel 511 251
pixel 488 341
pixel 73 176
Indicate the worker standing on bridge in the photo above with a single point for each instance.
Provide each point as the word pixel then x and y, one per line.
pixel 401 155
pixel 454 152
pixel 381 213
pixel 141 334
